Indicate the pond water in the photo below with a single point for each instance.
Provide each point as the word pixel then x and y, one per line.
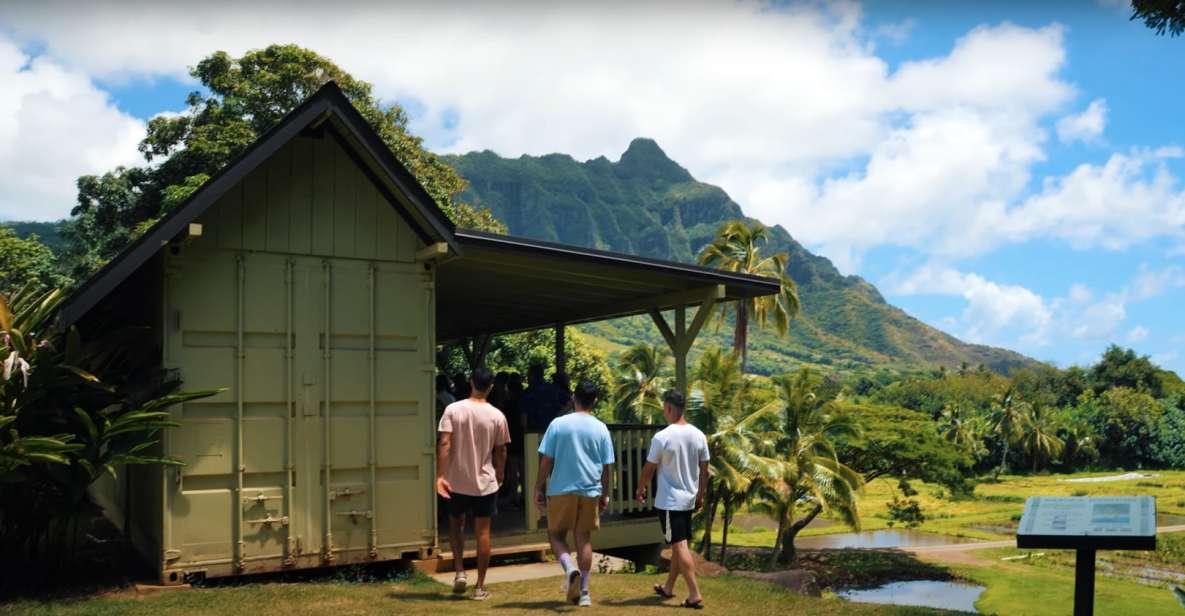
pixel 876 539
pixel 922 593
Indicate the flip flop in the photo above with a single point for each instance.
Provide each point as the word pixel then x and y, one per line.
pixel 695 605
pixel 662 592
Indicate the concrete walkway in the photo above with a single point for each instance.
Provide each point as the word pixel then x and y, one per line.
pixel 529 571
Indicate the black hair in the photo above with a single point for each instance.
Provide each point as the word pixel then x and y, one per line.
pixel 535 372
pixel 586 393
pixel 482 378
pixel 675 398
pixel 442 382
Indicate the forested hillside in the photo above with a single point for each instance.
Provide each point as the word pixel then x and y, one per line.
pixel 647 204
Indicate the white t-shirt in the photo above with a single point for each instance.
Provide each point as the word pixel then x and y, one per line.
pixel 678 451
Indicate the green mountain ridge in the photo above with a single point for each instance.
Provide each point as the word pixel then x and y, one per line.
pixel 649 205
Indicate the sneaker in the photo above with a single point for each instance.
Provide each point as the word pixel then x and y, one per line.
pixel 459 584
pixel 572 585
pixel 585 600
pixel 572 582
pixel 481 594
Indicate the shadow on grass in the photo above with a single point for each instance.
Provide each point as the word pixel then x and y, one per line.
pixel 425 596
pixel 652 601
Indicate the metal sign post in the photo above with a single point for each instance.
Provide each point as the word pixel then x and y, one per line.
pixel 1086 525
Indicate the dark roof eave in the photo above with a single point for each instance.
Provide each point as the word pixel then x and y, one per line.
pixel 761 285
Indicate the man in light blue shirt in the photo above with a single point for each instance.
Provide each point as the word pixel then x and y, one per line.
pixel 574 476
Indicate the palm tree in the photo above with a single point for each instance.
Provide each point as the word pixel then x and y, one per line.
pixel 1078 438
pixel 1040 439
pixel 810 472
pixel 1007 421
pixel 958 428
pixel 737 248
pixel 637 386
pixel 717 405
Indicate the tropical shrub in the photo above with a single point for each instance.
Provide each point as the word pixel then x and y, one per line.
pixel 64 427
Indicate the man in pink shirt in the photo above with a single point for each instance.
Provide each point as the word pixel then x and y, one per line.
pixel 470 463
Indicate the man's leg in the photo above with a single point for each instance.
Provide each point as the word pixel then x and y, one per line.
pixel 456 538
pixel 682 552
pixel 481 529
pixel 559 547
pixel 673 574
pixel 584 557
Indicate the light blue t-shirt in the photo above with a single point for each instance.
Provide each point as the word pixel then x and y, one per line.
pixel 580 446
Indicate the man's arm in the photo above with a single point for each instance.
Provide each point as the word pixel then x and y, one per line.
pixel 545 465
pixel 648 471
pixel 500 463
pixel 442 453
pixel 606 479
pixel 703 485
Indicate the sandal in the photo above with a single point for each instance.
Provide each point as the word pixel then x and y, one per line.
pixel 695 605
pixel 662 592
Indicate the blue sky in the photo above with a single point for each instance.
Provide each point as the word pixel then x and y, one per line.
pixel 1009 172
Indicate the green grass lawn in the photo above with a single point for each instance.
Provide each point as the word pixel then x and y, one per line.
pixel 613 594
pixel 996 506
pixel 1023 590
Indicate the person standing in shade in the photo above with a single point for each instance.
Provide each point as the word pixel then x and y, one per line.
pixel 541 402
pixel 679 455
pixel 574 475
pixel 470 462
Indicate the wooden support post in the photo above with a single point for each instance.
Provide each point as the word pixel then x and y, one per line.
pixel 683 336
pixel 681 351
pixel 561 353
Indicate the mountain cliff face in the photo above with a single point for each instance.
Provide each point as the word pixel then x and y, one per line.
pixel 647 204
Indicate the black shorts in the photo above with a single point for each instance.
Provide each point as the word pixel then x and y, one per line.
pixel 477 506
pixel 676 525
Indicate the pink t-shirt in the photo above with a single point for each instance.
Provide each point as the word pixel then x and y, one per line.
pixel 476 428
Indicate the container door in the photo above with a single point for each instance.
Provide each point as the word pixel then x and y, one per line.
pixel 229 328
pixel 364 407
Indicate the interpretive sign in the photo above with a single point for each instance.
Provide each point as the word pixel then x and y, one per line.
pixel 1101 522
pixel 1087 524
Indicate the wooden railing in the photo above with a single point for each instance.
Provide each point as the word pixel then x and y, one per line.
pixel 630 444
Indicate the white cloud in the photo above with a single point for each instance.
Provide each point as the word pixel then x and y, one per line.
pixel 992 310
pixel 765 100
pixel 1080 293
pixel 1086 126
pixel 1131 198
pixel 787 107
pixel 55 125
pixel 1100 320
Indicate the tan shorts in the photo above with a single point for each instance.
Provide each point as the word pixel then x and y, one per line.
pixel 573 512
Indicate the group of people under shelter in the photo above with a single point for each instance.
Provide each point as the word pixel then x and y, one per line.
pixel 477 437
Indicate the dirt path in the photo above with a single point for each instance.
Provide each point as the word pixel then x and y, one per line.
pixel 965 553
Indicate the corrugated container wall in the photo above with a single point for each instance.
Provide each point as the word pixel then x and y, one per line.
pixel 302 297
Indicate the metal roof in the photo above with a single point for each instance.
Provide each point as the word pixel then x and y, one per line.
pixel 504 284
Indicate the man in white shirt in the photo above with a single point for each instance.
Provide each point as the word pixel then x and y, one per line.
pixel 679 454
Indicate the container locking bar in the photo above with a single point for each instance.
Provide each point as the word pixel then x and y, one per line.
pixel 269 520
pixel 260 498
pixel 355 514
pixel 345 493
